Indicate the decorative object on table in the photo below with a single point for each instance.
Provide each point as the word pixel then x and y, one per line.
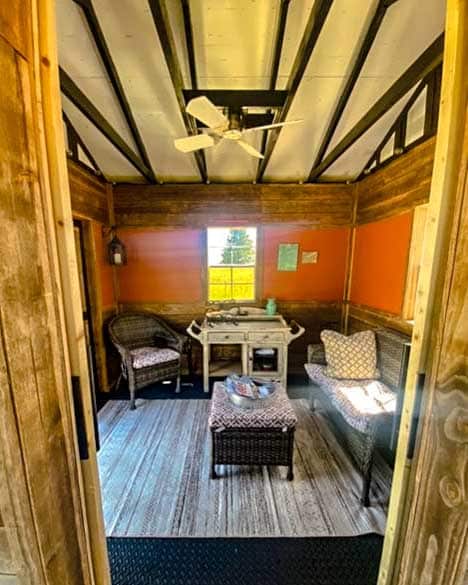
pixel 287 257
pixel 247 392
pixel 270 307
pixel 309 257
pixel 138 338
pixel 255 436
pixel 116 252
pixel 253 333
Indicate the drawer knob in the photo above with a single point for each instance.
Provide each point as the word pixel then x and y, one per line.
pixel 226 337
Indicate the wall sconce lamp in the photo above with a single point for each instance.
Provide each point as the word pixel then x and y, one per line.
pixel 116 252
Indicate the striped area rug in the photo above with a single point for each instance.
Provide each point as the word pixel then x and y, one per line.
pixel 154 466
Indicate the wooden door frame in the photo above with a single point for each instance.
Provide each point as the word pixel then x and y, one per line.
pixel 60 224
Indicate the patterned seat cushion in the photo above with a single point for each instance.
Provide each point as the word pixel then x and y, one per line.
pixel 361 403
pixel 144 357
pixel 224 414
pixel 350 357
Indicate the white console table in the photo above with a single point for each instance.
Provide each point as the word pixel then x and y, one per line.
pixel 264 344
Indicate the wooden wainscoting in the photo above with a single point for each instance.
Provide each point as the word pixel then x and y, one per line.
pixel 313 315
pixel 361 317
pixel 89 194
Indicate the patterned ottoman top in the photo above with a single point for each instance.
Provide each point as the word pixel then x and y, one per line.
pixel 278 414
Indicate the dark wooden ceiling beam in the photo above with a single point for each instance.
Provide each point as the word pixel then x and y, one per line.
pixel 317 18
pixel 278 48
pixel 106 58
pixel 396 126
pixel 78 141
pixel 361 57
pixel 88 109
pixel 238 98
pixel 163 29
pixel 189 42
pixel 425 63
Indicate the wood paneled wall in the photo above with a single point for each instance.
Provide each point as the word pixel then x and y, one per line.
pixel 398 187
pixel 196 206
pixel 89 194
pixel 313 315
pixel 42 528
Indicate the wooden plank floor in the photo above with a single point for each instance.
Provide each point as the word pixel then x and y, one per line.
pixel 154 466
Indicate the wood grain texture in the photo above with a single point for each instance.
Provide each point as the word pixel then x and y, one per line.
pixel 88 194
pixel 438 518
pixel 313 315
pixel 361 318
pixel 398 187
pixel 15 25
pixel 216 205
pixel 38 463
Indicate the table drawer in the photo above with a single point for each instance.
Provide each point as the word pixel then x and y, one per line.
pixel 226 337
pixel 266 337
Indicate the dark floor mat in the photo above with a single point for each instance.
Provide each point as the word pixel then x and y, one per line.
pixel 245 561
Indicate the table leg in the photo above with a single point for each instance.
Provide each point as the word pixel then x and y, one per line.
pixel 206 367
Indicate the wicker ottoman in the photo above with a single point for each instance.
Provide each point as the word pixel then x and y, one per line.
pixel 262 436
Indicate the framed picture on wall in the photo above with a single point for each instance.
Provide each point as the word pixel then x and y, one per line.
pixel 287 257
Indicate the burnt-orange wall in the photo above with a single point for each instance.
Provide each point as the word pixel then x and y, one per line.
pixel 380 263
pixel 104 269
pixel 323 281
pixel 164 265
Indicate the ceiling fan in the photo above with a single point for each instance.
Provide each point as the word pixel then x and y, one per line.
pixel 220 127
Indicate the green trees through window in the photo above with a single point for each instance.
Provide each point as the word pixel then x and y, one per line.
pixel 231 264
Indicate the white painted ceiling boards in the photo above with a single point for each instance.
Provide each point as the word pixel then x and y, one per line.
pixel 234 46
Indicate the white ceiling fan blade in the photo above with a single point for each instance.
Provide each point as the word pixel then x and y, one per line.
pixel 191 143
pixel 250 149
pixel 202 109
pixel 270 126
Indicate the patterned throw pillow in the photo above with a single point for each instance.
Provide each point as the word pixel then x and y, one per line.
pixel 353 357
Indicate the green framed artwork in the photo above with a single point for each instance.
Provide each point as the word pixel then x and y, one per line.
pixel 287 257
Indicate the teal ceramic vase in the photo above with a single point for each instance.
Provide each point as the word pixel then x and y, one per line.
pixel 271 307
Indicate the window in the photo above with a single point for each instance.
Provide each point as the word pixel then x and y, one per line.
pixel 232 255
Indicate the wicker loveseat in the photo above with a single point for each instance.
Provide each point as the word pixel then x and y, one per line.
pixel 150 350
pixel 364 411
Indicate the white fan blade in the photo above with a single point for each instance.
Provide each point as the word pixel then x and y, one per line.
pixel 202 109
pixel 250 149
pixel 270 126
pixel 191 143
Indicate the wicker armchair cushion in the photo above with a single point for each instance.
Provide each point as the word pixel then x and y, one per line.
pixel 361 403
pixel 145 357
pixel 351 357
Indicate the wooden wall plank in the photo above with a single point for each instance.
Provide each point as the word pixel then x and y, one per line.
pixel 88 194
pixel 361 318
pixel 15 25
pixel 398 187
pixel 198 205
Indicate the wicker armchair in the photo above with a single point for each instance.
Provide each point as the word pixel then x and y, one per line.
pixel 150 350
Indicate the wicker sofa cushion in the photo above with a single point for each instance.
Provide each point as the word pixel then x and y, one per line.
pixel 145 357
pixel 279 414
pixel 350 357
pixel 361 403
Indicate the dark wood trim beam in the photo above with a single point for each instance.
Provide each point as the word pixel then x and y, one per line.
pixel 432 102
pixel 426 62
pixel 79 141
pixel 278 48
pixel 106 58
pixel 78 98
pixel 317 18
pixel 238 98
pixel 393 128
pixel 163 29
pixel 189 42
pixel 364 50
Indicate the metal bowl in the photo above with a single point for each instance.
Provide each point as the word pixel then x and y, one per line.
pixel 266 391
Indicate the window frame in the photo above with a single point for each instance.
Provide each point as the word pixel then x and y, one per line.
pixel 258 269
